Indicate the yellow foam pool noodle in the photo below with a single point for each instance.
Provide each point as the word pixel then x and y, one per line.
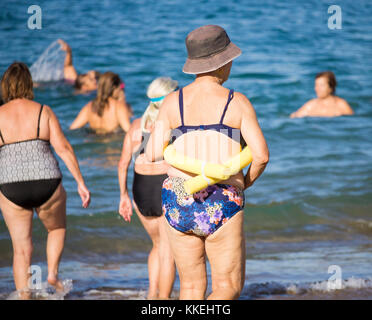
pixel 235 164
pixel 213 172
pixel 180 161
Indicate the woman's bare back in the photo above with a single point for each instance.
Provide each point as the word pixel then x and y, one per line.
pixel 19 121
pixel 204 105
pixel 108 122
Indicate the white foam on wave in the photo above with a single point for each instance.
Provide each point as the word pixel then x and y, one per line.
pixel 255 290
pixel 351 283
pixel 47 292
pixel 364 223
pixel 117 293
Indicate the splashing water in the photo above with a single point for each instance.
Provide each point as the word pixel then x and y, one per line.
pixel 47 292
pixel 49 66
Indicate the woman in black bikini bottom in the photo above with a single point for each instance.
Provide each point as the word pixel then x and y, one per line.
pixel 147 185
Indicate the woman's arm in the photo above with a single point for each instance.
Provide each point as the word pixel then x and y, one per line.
pixel 255 140
pixel 160 135
pixel 123 115
pixel 66 153
pixel 82 118
pixel 345 108
pixel 69 69
pixel 125 206
pixel 304 111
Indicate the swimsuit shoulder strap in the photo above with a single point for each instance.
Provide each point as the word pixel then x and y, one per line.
pixel 181 105
pixel 231 95
pixel 38 121
pixel 2 139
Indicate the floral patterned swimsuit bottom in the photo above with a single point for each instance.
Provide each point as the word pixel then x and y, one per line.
pixel 201 213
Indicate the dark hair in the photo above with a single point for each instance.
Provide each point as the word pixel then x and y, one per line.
pixel 16 83
pixel 331 79
pixel 79 81
pixel 107 83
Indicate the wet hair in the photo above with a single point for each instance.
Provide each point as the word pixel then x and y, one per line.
pixel 158 88
pixel 79 81
pixel 107 83
pixel 16 83
pixel 331 79
pixel 97 75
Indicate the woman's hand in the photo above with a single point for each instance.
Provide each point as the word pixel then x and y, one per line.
pixel 125 207
pixel 64 45
pixel 84 195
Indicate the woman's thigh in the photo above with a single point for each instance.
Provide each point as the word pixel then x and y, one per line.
pixel 18 221
pixel 225 249
pixel 151 224
pixel 53 212
pixel 189 253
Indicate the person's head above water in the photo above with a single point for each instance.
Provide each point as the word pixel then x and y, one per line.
pixel 325 84
pixel 87 81
pixel 156 92
pixel 16 83
pixel 109 86
pixel 210 52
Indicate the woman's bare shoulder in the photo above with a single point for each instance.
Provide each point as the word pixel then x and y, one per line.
pixel 171 101
pixel 241 103
pixel 170 107
pixel 311 102
pixel 136 123
pixel 341 101
pixel 134 126
pixel 48 111
pixel 344 106
pixel 134 132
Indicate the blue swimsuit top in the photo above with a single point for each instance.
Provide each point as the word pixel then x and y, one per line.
pixel 233 133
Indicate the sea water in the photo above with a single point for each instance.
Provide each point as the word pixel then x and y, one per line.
pixel 310 210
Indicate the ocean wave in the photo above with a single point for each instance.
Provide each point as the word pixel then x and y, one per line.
pixel 46 292
pixel 114 294
pixel 309 290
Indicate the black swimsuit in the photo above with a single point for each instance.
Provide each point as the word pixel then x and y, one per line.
pixel 29 172
pixel 147 188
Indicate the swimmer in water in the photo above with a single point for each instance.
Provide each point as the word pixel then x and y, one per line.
pixel 107 112
pixel 82 82
pixel 327 104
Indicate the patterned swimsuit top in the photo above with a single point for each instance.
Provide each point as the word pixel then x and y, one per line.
pixel 27 160
pixel 233 133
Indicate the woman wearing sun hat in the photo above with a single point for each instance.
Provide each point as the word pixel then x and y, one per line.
pixel 211 123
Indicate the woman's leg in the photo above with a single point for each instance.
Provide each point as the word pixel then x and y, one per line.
pixel 226 253
pixel 53 215
pixel 189 255
pixel 19 223
pixel 167 270
pixel 151 225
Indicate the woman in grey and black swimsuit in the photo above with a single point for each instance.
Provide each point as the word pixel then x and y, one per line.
pixel 30 177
